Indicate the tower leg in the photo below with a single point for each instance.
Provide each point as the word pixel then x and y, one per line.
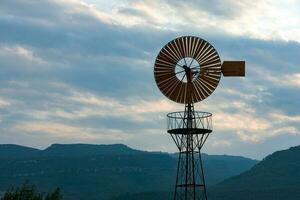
pixel 189 130
pixel 190 181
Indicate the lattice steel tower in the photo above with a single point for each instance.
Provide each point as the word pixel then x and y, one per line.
pixel 187 70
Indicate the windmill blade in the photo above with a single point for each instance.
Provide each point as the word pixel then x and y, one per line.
pixel 233 68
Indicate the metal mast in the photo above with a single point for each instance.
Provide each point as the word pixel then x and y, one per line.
pixel 189 133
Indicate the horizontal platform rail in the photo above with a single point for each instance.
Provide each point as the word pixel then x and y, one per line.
pixel 200 122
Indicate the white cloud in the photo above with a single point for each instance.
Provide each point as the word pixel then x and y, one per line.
pixel 111 16
pixel 18 51
pixel 281 117
pixel 240 121
pixel 293 79
pixel 248 137
pixel 70 103
pixel 263 19
pixel 278 79
pixel 240 94
pixel 287 130
pixel 4 103
pixel 221 143
pixel 64 131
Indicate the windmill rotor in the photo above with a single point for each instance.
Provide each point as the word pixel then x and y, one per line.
pixel 187 69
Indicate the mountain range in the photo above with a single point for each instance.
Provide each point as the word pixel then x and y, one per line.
pixel 117 172
pixel 89 172
pixel 276 177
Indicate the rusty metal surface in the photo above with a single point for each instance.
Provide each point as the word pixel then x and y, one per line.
pixel 233 68
pixel 205 78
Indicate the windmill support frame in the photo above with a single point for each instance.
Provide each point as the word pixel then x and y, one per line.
pixel 189 130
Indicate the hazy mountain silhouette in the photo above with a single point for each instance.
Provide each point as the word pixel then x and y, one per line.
pixel 86 171
pixel 276 177
pixel 13 150
pixel 88 149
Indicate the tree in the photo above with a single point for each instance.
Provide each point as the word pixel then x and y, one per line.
pixel 56 195
pixel 29 192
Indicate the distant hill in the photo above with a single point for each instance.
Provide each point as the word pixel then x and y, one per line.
pixel 91 172
pixel 88 149
pixel 275 177
pixel 220 167
pixel 12 150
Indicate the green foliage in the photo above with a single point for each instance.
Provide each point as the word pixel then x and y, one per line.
pixel 30 192
pixel 154 195
pixel 56 195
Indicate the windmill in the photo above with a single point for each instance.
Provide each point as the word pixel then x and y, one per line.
pixel 187 70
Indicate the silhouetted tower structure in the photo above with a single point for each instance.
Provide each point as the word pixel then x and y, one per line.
pixel 187 70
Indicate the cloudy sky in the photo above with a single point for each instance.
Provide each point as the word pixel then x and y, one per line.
pixel 82 71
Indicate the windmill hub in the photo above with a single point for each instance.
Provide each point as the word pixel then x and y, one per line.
pixel 179 77
pixel 187 67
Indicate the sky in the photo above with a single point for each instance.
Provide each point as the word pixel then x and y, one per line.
pixel 82 72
